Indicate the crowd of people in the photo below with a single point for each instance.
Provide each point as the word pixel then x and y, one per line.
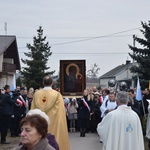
pixel 13 107
pixel 95 105
pixel 102 111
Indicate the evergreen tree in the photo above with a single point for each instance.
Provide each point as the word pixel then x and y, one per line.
pixel 142 55
pixel 36 66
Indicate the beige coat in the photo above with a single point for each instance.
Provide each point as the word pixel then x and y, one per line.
pixel 51 102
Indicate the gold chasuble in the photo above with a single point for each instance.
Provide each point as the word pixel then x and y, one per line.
pixel 51 102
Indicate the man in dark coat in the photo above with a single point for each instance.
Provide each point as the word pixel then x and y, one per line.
pixel 19 111
pixel 6 112
pixel 133 102
pixel 146 96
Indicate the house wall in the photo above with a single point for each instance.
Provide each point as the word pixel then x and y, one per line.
pixel 124 75
pixel 6 79
pixel 1 62
pixel 104 82
pixel 91 85
pixel 8 60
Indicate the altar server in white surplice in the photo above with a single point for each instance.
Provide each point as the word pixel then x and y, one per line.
pixel 108 105
pixel 121 128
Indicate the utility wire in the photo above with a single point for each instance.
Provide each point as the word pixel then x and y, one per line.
pixel 76 37
pixel 81 38
pixel 87 38
pixel 95 53
pixel 91 53
pixel 95 37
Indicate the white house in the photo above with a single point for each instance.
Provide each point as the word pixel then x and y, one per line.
pixel 9 59
pixel 119 74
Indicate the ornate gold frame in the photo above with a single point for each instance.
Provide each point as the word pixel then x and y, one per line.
pixel 72 78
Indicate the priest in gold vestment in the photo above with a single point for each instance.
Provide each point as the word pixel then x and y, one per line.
pixel 51 102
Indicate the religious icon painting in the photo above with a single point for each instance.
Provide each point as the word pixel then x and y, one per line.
pixel 72 77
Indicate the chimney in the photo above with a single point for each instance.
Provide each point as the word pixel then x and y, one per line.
pixel 128 62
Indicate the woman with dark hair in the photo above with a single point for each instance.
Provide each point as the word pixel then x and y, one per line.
pixel 85 109
pixel 33 133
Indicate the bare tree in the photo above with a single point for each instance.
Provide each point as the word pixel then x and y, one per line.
pixel 93 72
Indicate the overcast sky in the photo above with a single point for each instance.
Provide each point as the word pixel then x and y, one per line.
pixel 66 21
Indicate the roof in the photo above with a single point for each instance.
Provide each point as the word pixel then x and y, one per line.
pixel 8 45
pixel 112 73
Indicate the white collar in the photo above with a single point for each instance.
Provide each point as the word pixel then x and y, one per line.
pixel 123 105
pixel 47 88
pixel 112 101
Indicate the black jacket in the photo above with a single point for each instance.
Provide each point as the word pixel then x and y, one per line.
pixel 20 110
pixel 145 102
pixel 7 104
pixel 135 107
pixel 83 112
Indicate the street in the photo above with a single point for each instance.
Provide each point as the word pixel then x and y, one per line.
pixel 89 142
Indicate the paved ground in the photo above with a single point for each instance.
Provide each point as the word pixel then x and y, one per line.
pixel 91 141
pixel 14 142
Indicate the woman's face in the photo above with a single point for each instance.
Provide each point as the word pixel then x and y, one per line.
pixel 30 95
pixel 85 93
pixel 29 135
